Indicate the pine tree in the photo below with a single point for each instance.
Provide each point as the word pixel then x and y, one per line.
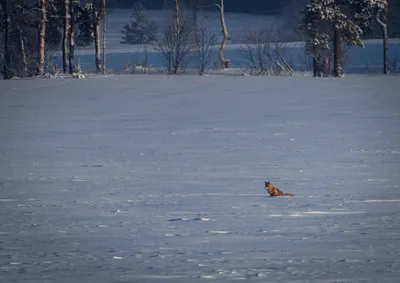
pixel 140 30
pixel 85 31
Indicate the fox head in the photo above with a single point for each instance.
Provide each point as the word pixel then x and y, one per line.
pixel 267 185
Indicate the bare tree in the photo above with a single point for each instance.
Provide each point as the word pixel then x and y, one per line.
pixel 72 31
pixel 96 23
pixel 204 49
pixel 66 37
pixel 381 20
pixel 225 62
pixel 176 16
pixel 195 6
pixel 7 56
pixel 285 66
pixel 174 47
pixel 103 11
pixel 255 51
pixel 264 53
pixel 19 27
pixel 42 36
pixel 177 34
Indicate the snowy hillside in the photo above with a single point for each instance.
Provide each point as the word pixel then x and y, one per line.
pixel 160 179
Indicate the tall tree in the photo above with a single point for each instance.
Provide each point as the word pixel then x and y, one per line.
pixel 337 52
pixel 7 27
pixel 177 31
pixel 176 17
pixel 19 27
pixel 140 30
pixel 103 11
pixel 97 15
pixel 71 35
pixel 42 35
pixel 194 7
pixel 381 20
pixel 66 36
pixel 339 22
pixel 328 24
pixel 316 63
pixel 369 11
pixel 225 62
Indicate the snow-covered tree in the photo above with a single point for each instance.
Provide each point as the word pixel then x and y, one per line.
pixel 140 30
pixel 328 24
pixel 369 11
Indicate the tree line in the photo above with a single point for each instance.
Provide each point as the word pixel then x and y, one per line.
pixel 328 26
pixel 30 26
pixel 240 6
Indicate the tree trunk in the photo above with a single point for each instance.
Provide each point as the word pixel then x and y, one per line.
pixel 194 9
pixel 7 27
pixel 177 32
pixel 315 66
pixel 103 12
pixel 225 62
pixel 195 27
pixel 316 70
pixel 96 19
pixel 21 42
pixel 72 34
pixel 383 27
pixel 42 45
pixel 22 59
pixel 67 15
pixel 337 54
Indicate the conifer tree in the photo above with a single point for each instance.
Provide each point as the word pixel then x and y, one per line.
pixel 140 30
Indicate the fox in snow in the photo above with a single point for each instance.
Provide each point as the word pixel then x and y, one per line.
pixel 275 192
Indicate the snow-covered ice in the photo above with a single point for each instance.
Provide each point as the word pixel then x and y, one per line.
pixel 160 179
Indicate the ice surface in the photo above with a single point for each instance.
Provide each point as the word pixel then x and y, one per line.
pixel 160 179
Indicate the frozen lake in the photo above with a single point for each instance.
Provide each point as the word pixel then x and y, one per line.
pixel 160 179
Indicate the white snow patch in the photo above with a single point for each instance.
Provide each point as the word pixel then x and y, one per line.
pixel 307 213
pixel 218 232
pixel 208 277
pixel 332 212
pixel 381 200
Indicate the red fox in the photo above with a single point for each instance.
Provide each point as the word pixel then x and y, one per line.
pixel 275 192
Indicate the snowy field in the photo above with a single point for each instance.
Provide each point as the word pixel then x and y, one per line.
pixel 160 179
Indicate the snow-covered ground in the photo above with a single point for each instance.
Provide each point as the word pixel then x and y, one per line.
pixel 160 179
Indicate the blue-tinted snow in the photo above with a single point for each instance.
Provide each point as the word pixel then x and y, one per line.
pixel 160 179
